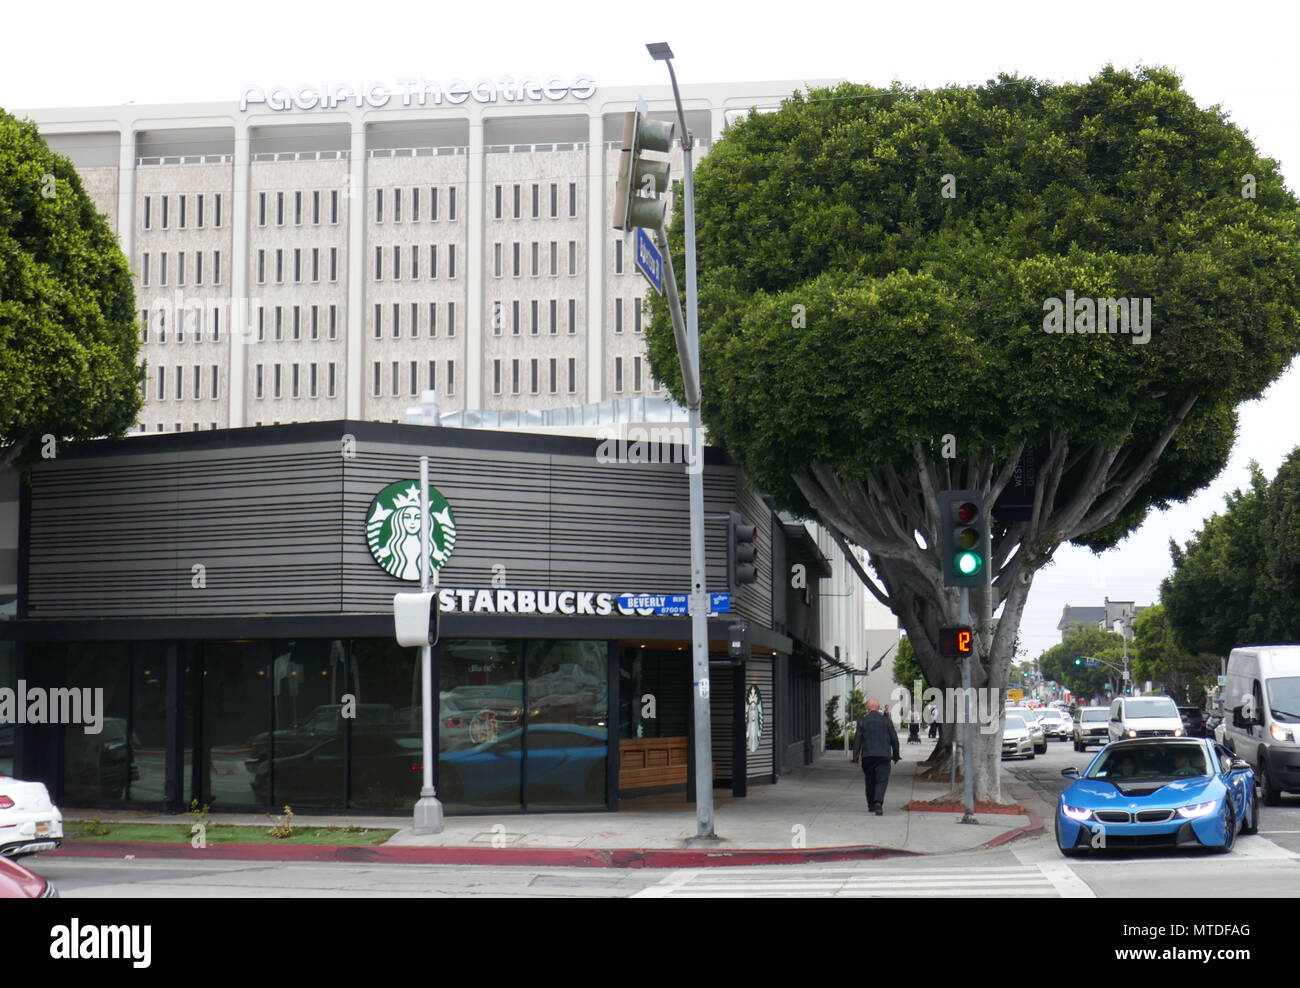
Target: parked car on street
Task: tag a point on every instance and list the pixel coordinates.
(1157, 792)
(17, 882)
(29, 821)
(1017, 741)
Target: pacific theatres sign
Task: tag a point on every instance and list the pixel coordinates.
(419, 92)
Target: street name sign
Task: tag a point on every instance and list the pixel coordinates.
(649, 260)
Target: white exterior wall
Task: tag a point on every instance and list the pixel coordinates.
(239, 172)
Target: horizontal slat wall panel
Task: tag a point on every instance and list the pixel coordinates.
(280, 528)
(550, 521)
(720, 719)
(119, 537)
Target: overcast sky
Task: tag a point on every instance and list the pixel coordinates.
(1239, 56)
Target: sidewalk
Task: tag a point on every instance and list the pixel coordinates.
(815, 813)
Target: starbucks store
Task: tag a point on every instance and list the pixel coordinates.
(222, 604)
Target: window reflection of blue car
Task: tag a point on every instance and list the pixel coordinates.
(1157, 792)
(566, 763)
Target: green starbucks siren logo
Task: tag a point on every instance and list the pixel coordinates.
(393, 529)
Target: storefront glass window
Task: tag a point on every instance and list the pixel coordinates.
(230, 686)
(308, 701)
(148, 748)
(480, 725)
(96, 765)
(8, 680)
(387, 740)
(567, 739)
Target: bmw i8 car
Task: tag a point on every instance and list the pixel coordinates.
(1157, 792)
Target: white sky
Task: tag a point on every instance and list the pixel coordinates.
(1243, 57)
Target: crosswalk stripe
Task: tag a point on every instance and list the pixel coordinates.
(1010, 881)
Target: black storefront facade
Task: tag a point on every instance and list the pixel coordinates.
(220, 590)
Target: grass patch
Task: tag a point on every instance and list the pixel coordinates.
(220, 833)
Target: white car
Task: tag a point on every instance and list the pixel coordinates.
(29, 822)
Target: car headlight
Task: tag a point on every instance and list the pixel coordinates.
(1075, 812)
(1197, 809)
(1281, 733)
(1132, 733)
(1178, 733)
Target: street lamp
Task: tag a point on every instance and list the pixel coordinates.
(690, 361)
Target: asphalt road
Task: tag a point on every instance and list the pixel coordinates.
(1260, 866)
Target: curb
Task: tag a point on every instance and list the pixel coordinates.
(516, 856)
(1034, 827)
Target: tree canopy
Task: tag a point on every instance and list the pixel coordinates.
(68, 332)
(875, 266)
(1237, 581)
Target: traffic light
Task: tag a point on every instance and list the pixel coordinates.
(742, 551)
(1078, 661)
(641, 181)
(963, 535)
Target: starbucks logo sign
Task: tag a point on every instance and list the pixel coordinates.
(393, 529)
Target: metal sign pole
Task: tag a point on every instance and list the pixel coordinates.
(428, 810)
(968, 759)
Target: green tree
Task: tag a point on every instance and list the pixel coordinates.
(1083, 642)
(874, 268)
(1157, 656)
(907, 671)
(68, 332)
(1210, 597)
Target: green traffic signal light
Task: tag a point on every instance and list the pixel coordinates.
(969, 563)
(1078, 662)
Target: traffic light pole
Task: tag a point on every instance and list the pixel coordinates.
(968, 733)
(689, 356)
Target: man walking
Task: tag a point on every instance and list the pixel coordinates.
(876, 742)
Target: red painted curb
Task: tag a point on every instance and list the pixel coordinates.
(518, 856)
(1035, 826)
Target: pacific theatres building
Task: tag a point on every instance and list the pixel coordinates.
(230, 592)
(330, 251)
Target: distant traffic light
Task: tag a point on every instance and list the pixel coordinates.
(641, 181)
(1078, 661)
(963, 539)
(742, 551)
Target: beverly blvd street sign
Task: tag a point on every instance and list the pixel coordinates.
(673, 603)
(649, 260)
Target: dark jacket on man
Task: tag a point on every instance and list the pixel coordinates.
(876, 737)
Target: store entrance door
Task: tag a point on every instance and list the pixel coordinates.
(654, 713)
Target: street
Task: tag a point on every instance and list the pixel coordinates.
(1265, 865)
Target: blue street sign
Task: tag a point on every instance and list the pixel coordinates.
(649, 260)
(720, 603)
(1092, 665)
(673, 603)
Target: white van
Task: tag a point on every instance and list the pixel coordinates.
(1144, 717)
(1262, 715)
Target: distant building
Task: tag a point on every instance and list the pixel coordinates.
(1103, 617)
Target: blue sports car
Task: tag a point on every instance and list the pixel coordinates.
(1158, 792)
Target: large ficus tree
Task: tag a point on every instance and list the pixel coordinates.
(875, 272)
(68, 333)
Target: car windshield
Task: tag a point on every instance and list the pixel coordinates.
(1015, 720)
(1149, 761)
(1284, 698)
(1093, 714)
(1159, 706)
